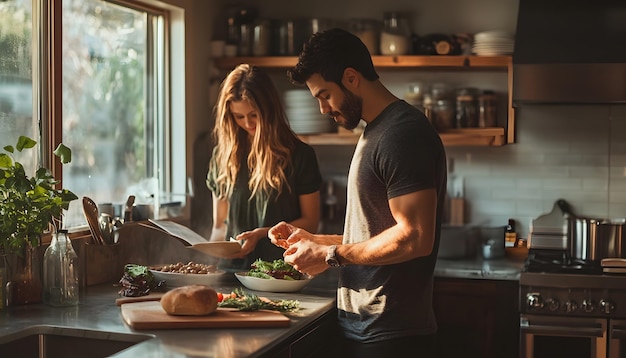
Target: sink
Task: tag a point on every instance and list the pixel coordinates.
(65, 342)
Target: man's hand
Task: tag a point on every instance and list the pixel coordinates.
(279, 234)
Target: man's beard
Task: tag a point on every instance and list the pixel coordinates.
(351, 110)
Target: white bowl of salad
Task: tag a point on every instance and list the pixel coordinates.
(275, 276)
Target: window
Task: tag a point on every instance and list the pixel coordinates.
(16, 75)
(114, 110)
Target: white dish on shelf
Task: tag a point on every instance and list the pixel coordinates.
(271, 284)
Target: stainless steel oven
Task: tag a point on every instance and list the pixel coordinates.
(572, 313)
(549, 337)
(617, 338)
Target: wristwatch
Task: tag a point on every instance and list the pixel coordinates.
(331, 257)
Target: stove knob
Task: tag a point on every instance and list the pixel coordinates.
(553, 304)
(588, 305)
(607, 306)
(534, 301)
(570, 306)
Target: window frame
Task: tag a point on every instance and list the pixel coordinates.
(47, 93)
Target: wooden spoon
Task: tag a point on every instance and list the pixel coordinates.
(90, 209)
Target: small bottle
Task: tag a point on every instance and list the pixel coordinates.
(510, 236)
(60, 272)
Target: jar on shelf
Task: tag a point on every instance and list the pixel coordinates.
(368, 30)
(440, 90)
(395, 38)
(415, 95)
(488, 110)
(427, 104)
(443, 114)
(60, 272)
(245, 40)
(261, 38)
(466, 108)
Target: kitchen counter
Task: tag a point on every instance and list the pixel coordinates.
(98, 311)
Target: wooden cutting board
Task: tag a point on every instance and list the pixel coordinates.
(153, 296)
(150, 315)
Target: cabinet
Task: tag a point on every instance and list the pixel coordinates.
(315, 340)
(476, 318)
(496, 136)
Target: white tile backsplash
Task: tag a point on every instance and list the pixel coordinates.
(574, 152)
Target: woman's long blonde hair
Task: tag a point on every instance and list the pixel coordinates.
(273, 142)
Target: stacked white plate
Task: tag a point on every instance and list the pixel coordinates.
(304, 114)
(493, 43)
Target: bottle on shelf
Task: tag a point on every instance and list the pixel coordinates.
(510, 236)
(60, 272)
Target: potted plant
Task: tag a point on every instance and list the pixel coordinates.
(29, 206)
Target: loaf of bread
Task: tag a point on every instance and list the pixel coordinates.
(192, 300)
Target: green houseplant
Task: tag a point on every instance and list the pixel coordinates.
(29, 206)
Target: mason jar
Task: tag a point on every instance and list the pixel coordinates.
(488, 110)
(395, 38)
(368, 30)
(443, 114)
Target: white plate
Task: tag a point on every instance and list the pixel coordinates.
(271, 285)
(183, 279)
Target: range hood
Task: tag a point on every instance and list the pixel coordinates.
(570, 52)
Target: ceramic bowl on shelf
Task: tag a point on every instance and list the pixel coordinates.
(271, 284)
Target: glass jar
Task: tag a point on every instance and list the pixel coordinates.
(488, 110)
(368, 30)
(466, 108)
(443, 114)
(395, 38)
(441, 90)
(261, 38)
(427, 105)
(60, 272)
(414, 95)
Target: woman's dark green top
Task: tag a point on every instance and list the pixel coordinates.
(263, 210)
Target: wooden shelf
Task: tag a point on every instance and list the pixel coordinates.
(426, 62)
(458, 137)
(454, 137)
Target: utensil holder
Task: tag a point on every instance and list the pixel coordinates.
(100, 263)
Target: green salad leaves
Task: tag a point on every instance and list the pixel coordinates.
(245, 301)
(276, 269)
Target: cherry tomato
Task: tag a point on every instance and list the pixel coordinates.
(220, 297)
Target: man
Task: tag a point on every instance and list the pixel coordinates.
(395, 198)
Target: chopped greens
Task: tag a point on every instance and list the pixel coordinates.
(276, 269)
(245, 301)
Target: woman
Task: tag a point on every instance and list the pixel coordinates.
(260, 172)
